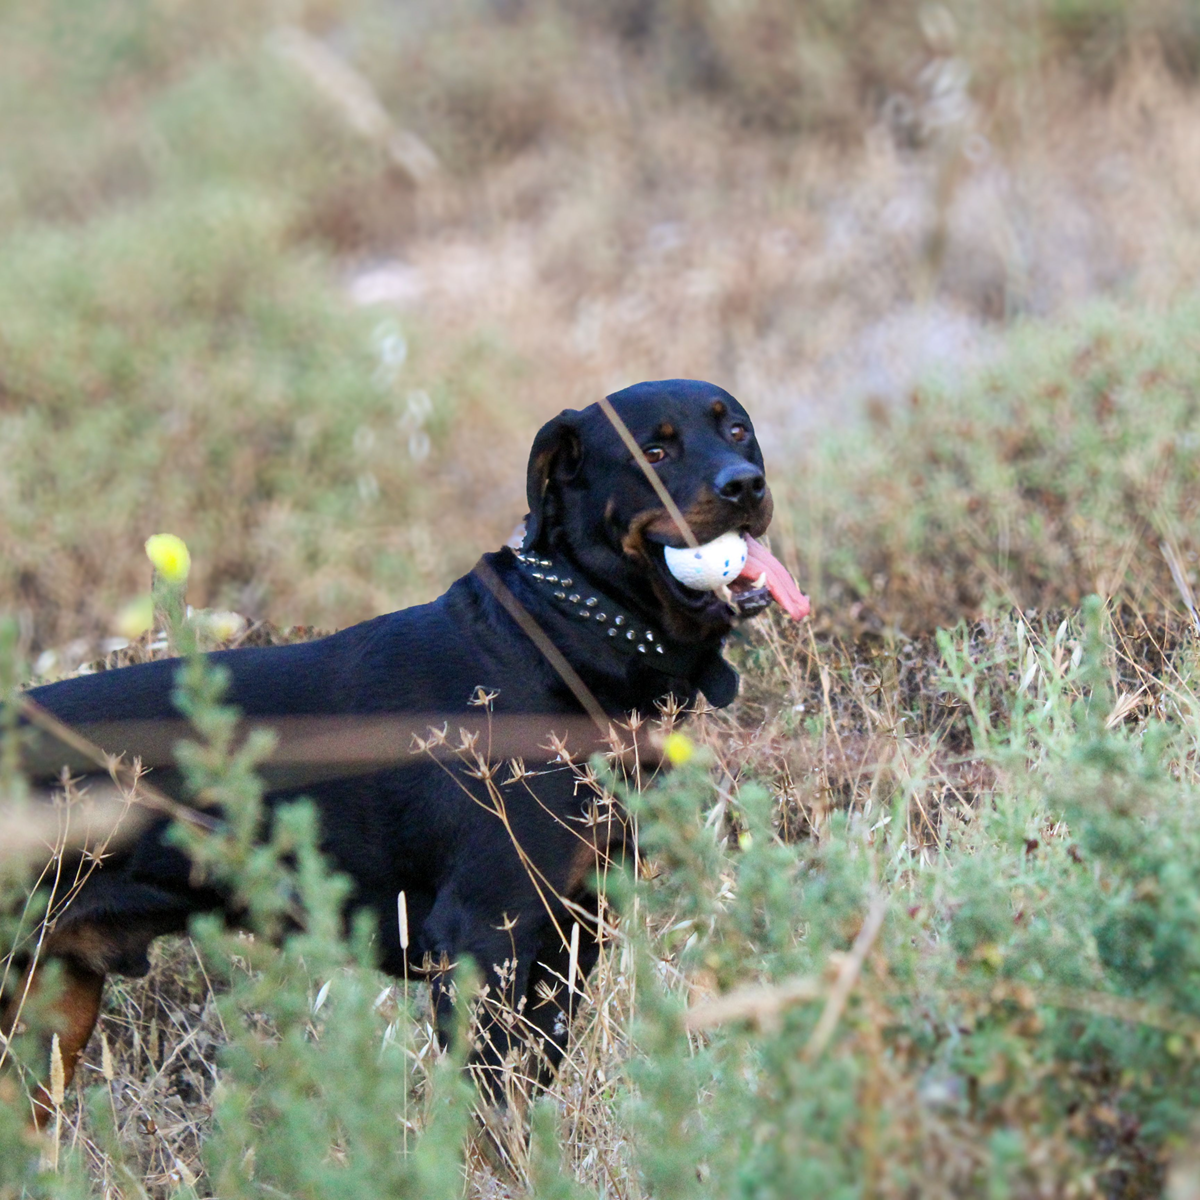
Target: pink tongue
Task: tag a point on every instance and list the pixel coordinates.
(783, 589)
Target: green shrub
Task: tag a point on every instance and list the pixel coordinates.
(1001, 1001)
(1028, 1003)
(1057, 472)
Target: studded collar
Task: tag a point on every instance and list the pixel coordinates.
(616, 625)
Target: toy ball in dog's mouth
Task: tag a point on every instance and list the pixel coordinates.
(707, 567)
(733, 557)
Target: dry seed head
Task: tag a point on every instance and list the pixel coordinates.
(58, 1074)
(517, 771)
(573, 968)
(402, 918)
(183, 1173)
(106, 1059)
(322, 996)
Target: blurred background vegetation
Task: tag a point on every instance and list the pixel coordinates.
(299, 282)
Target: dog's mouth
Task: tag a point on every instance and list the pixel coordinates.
(763, 579)
(710, 607)
(699, 607)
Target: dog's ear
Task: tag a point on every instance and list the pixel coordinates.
(555, 458)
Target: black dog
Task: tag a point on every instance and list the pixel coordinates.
(591, 575)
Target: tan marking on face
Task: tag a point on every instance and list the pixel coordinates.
(665, 430)
(708, 518)
(762, 518)
(718, 408)
(634, 541)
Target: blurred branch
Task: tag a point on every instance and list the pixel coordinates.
(847, 977)
(1179, 575)
(33, 831)
(355, 101)
(309, 749)
(124, 776)
(760, 1004)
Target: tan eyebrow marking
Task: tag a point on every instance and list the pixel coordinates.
(718, 408)
(665, 430)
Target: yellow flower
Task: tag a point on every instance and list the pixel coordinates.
(170, 556)
(218, 625)
(225, 626)
(135, 618)
(678, 748)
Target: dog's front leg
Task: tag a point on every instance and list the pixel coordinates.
(556, 982)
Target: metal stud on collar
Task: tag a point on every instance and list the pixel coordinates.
(584, 605)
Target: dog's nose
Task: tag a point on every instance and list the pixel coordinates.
(740, 483)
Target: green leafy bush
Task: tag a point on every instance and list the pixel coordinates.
(1024, 1011)
(1057, 472)
(1000, 1001)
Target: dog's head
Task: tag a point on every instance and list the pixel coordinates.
(590, 500)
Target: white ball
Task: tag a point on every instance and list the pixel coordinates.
(707, 567)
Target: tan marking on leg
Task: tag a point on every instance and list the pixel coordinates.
(84, 943)
(586, 858)
(607, 839)
(72, 1016)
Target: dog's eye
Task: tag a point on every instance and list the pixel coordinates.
(739, 432)
(654, 454)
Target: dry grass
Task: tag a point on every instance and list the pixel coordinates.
(872, 730)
